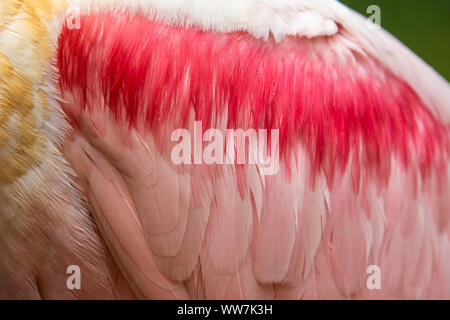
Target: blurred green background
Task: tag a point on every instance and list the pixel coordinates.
(424, 26)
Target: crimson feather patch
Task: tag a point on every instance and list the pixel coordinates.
(341, 109)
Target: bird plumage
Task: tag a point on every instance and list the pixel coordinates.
(364, 150)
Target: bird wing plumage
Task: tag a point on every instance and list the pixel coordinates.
(363, 145)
